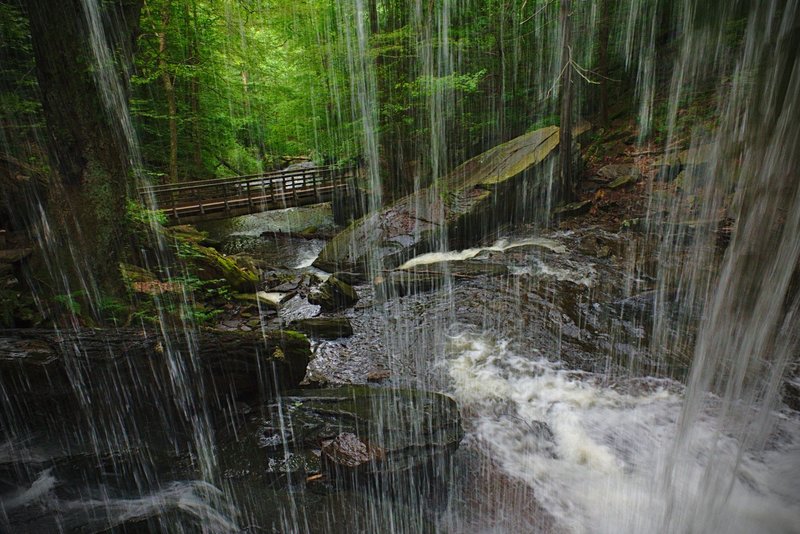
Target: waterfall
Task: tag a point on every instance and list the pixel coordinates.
(627, 363)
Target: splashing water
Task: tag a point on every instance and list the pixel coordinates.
(589, 448)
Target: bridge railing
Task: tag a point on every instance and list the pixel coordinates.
(254, 192)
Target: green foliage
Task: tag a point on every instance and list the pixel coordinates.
(199, 314)
(20, 109)
(70, 301)
(247, 83)
(544, 122)
(137, 214)
(429, 85)
(113, 310)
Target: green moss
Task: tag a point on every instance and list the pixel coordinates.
(293, 335)
(208, 264)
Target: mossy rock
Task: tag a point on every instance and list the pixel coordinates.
(573, 209)
(616, 171)
(324, 327)
(189, 233)
(334, 295)
(623, 181)
(211, 265)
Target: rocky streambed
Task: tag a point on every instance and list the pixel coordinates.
(404, 399)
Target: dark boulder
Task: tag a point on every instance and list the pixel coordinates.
(356, 430)
(40, 367)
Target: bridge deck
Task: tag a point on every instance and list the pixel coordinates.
(203, 200)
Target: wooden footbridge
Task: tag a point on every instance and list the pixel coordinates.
(220, 198)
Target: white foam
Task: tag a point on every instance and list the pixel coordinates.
(40, 487)
(466, 254)
(198, 499)
(608, 466)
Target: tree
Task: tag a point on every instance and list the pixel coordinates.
(169, 91)
(87, 147)
(602, 59)
(565, 134)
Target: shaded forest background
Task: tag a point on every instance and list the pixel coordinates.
(95, 96)
(218, 88)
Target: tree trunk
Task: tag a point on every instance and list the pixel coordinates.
(87, 148)
(602, 59)
(169, 90)
(194, 97)
(565, 135)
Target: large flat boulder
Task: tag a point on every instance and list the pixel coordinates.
(348, 432)
(493, 188)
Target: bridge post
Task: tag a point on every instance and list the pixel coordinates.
(225, 196)
(249, 197)
(348, 202)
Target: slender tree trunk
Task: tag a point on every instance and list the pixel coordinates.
(194, 96)
(169, 90)
(602, 58)
(565, 135)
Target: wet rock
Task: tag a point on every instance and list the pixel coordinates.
(610, 173)
(368, 431)
(667, 167)
(334, 295)
(573, 209)
(351, 277)
(287, 287)
(623, 181)
(350, 452)
(259, 299)
(378, 376)
(39, 366)
(423, 278)
(599, 246)
(323, 327)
